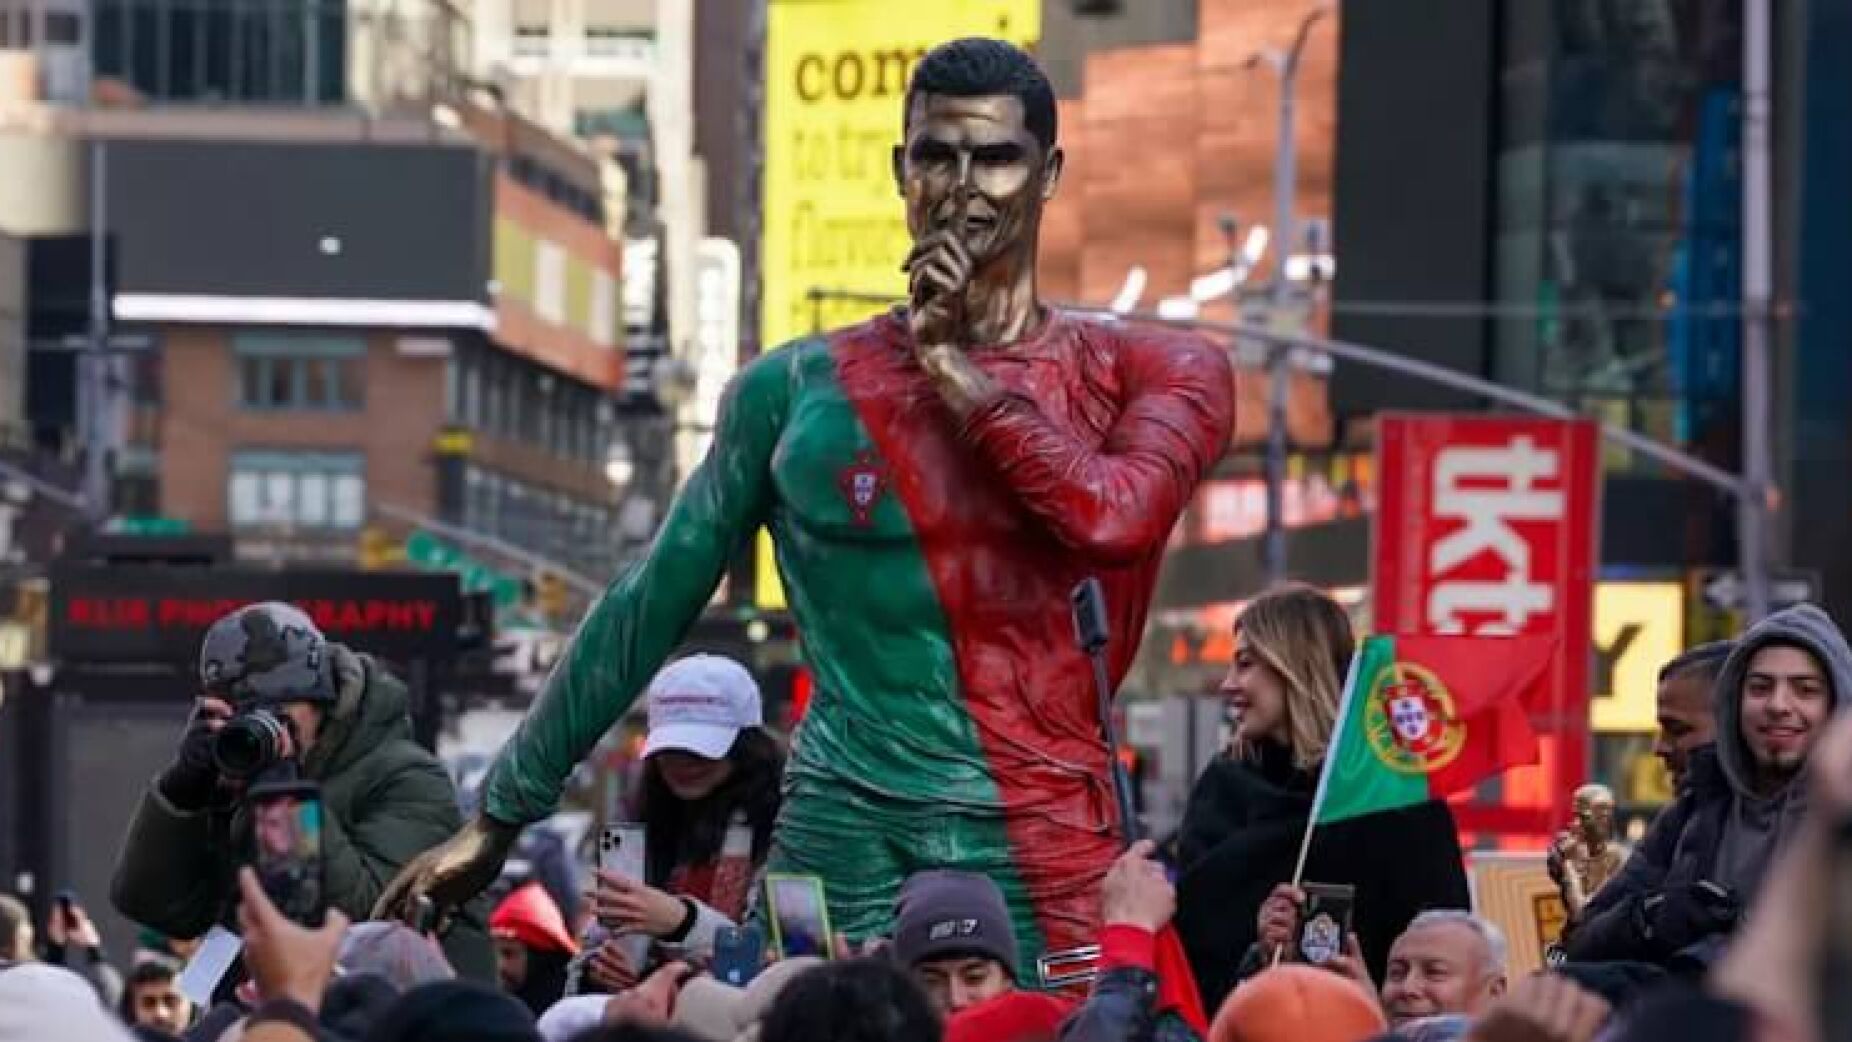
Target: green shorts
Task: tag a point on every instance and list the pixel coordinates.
(863, 845)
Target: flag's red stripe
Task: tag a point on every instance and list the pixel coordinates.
(1490, 679)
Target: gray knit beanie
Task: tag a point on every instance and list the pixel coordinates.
(941, 914)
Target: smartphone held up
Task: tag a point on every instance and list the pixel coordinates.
(1324, 923)
(799, 916)
(739, 954)
(622, 851)
(287, 833)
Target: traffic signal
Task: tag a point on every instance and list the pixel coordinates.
(378, 550)
(550, 595)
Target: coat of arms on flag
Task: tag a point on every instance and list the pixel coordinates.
(1404, 735)
(1411, 720)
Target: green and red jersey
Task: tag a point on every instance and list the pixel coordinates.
(928, 564)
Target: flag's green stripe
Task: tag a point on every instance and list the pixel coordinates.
(1360, 782)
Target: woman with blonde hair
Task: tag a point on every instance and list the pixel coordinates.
(1247, 814)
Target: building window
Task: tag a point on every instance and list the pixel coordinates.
(309, 489)
(602, 41)
(550, 282)
(317, 373)
(1618, 194)
(545, 521)
(472, 393)
(63, 27)
(532, 41)
(602, 324)
(280, 51)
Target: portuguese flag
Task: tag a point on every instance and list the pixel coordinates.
(1423, 717)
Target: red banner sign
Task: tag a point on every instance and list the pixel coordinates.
(141, 613)
(1487, 524)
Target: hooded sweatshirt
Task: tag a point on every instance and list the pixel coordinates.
(1721, 829)
(1758, 823)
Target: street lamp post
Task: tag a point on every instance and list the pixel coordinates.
(1753, 521)
(1285, 65)
(93, 378)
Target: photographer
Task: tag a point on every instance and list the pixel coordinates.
(281, 702)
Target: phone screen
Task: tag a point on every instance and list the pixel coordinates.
(1325, 922)
(621, 850)
(739, 954)
(287, 827)
(800, 918)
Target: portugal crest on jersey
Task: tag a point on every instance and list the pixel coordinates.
(862, 484)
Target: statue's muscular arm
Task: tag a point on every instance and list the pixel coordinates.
(1115, 502)
(648, 608)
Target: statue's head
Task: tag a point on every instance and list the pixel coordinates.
(1594, 811)
(979, 152)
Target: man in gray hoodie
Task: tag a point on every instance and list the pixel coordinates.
(1680, 895)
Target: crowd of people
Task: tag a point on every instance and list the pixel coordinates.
(1717, 924)
(308, 871)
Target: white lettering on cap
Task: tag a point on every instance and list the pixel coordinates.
(952, 928)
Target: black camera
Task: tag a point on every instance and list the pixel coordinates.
(249, 744)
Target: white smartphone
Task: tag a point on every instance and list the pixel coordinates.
(621, 850)
(208, 966)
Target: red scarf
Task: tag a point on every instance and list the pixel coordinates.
(723, 884)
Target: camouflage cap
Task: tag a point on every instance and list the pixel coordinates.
(268, 652)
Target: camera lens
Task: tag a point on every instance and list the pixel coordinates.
(249, 743)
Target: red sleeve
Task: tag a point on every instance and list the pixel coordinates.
(1117, 502)
(1123, 945)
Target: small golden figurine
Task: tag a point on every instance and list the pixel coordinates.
(1585, 856)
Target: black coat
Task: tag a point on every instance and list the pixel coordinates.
(1241, 836)
(1123, 1008)
(1680, 849)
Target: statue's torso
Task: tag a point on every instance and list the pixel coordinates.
(932, 608)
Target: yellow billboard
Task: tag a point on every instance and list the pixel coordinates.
(835, 83)
(1639, 627)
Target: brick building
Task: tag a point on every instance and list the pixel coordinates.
(1167, 132)
(354, 320)
(1164, 138)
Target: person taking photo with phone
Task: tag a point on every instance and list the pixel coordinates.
(72, 941)
(1248, 813)
(709, 797)
(279, 701)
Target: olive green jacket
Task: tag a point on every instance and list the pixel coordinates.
(385, 799)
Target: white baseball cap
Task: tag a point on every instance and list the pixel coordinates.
(700, 704)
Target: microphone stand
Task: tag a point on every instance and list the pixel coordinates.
(1092, 634)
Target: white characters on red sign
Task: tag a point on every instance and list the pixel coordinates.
(1489, 488)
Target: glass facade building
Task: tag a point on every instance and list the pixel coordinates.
(303, 53)
(1616, 238)
(284, 52)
